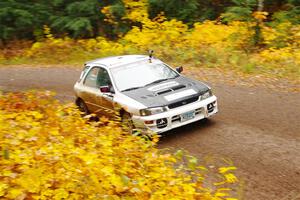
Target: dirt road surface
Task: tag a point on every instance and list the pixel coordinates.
(257, 128)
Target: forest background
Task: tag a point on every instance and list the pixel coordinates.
(251, 36)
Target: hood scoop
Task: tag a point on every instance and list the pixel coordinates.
(148, 96)
(178, 87)
(163, 92)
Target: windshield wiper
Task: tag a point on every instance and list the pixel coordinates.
(160, 80)
(157, 81)
(129, 89)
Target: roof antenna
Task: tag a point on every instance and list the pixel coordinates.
(150, 55)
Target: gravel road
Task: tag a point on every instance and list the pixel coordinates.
(257, 128)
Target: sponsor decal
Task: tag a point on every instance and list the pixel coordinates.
(179, 95)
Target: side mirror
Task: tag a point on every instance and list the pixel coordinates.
(104, 89)
(107, 89)
(179, 69)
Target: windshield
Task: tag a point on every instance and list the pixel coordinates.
(141, 74)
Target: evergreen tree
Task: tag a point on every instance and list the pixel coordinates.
(20, 19)
(77, 18)
(186, 11)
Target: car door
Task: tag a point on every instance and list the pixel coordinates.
(105, 99)
(91, 90)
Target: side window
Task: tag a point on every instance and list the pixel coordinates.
(91, 78)
(103, 78)
(85, 69)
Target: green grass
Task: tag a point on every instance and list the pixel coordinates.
(226, 59)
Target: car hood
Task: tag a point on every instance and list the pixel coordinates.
(168, 92)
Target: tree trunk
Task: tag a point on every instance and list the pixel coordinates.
(258, 36)
(260, 5)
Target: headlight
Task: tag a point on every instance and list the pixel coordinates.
(206, 95)
(152, 111)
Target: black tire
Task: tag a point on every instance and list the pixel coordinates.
(127, 123)
(82, 107)
(205, 120)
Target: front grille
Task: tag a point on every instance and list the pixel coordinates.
(198, 111)
(183, 102)
(176, 118)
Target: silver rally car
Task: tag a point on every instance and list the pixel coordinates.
(146, 92)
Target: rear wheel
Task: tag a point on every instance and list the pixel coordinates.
(82, 107)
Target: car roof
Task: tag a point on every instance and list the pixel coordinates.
(114, 61)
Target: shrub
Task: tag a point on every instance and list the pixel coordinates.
(49, 152)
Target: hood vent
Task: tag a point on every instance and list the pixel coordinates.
(178, 87)
(148, 96)
(191, 84)
(164, 91)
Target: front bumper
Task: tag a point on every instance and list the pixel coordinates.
(174, 118)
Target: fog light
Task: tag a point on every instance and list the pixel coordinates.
(210, 107)
(149, 122)
(162, 123)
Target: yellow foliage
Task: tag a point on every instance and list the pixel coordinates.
(224, 170)
(176, 34)
(259, 15)
(47, 32)
(282, 54)
(217, 35)
(109, 16)
(48, 151)
(136, 11)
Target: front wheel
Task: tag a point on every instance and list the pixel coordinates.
(127, 123)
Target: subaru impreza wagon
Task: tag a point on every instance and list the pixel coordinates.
(146, 92)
